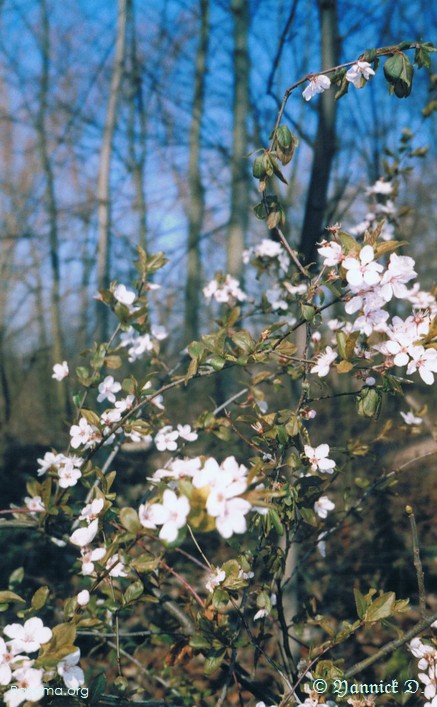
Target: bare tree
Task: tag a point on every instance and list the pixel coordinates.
(50, 196)
(196, 198)
(324, 148)
(103, 182)
(240, 185)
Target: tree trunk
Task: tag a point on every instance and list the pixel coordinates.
(240, 186)
(47, 168)
(137, 120)
(196, 197)
(324, 149)
(103, 182)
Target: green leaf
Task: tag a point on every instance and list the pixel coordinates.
(398, 71)
(214, 662)
(360, 603)
(96, 688)
(133, 592)
(244, 341)
(381, 608)
(129, 519)
(40, 598)
(8, 597)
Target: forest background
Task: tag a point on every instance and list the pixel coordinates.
(130, 124)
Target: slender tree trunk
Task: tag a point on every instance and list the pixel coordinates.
(103, 182)
(137, 128)
(324, 149)
(47, 167)
(240, 186)
(196, 203)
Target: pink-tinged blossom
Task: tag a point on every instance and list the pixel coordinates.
(89, 557)
(318, 458)
(331, 252)
(91, 511)
(410, 418)
(82, 434)
(145, 515)
(123, 295)
(125, 404)
(29, 637)
(323, 506)
(400, 271)
(30, 687)
(68, 475)
(116, 566)
(363, 271)
(49, 461)
(60, 371)
(424, 361)
(171, 514)
(370, 321)
(166, 439)
(215, 578)
(107, 389)
(69, 670)
(317, 84)
(84, 536)
(34, 504)
(323, 362)
(359, 73)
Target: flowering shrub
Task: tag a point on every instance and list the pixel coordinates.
(273, 498)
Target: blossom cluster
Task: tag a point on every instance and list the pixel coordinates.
(225, 290)
(17, 667)
(222, 486)
(358, 75)
(372, 286)
(427, 664)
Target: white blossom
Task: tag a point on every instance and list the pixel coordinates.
(166, 439)
(60, 371)
(92, 510)
(29, 637)
(359, 73)
(331, 252)
(82, 434)
(83, 597)
(424, 361)
(380, 187)
(30, 687)
(364, 270)
(226, 291)
(323, 362)
(323, 505)
(186, 433)
(70, 672)
(123, 295)
(410, 418)
(83, 536)
(318, 458)
(317, 84)
(34, 504)
(216, 577)
(107, 389)
(171, 514)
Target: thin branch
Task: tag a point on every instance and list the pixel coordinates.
(417, 561)
(391, 647)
